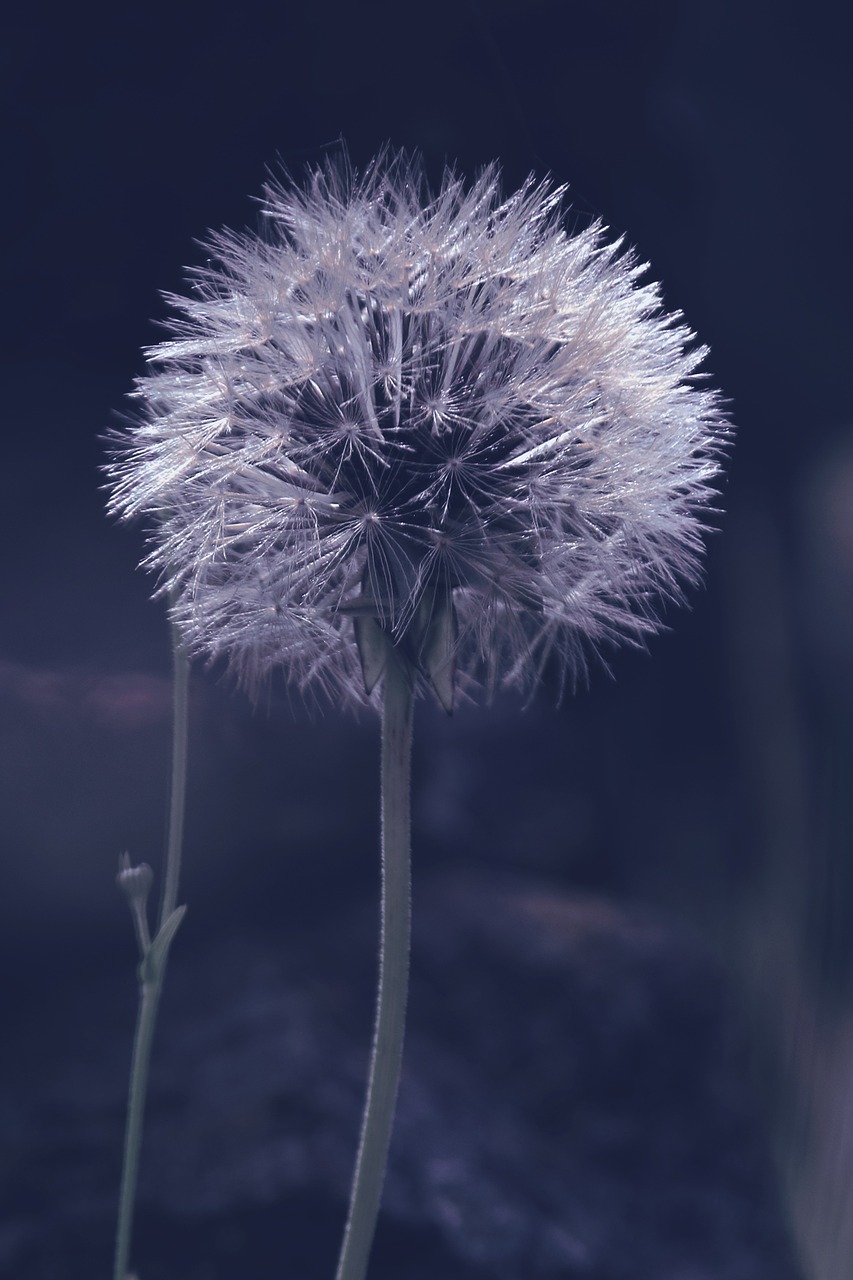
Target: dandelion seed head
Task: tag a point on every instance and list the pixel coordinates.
(439, 416)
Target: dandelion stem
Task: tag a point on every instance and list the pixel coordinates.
(387, 1050)
(152, 969)
(177, 803)
(149, 997)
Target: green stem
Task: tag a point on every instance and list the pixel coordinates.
(152, 969)
(387, 1051)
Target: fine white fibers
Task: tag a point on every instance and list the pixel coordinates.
(399, 406)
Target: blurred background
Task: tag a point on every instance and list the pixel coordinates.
(697, 795)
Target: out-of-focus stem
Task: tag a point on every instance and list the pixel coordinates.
(149, 997)
(152, 969)
(177, 802)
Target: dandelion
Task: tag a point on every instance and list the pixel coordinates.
(442, 419)
(427, 440)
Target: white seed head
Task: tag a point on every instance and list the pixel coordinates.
(438, 419)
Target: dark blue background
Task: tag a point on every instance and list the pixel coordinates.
(707, 782)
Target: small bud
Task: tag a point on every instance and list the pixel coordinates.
(135, 883)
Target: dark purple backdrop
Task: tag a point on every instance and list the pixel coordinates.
(710, 772)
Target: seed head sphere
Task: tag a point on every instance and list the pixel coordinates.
(435, 421)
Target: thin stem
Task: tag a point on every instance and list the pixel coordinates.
(149, 998)
(177, 804)
(152, 969)
(387, 1051)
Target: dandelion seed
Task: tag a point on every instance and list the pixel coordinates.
(391, 404)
